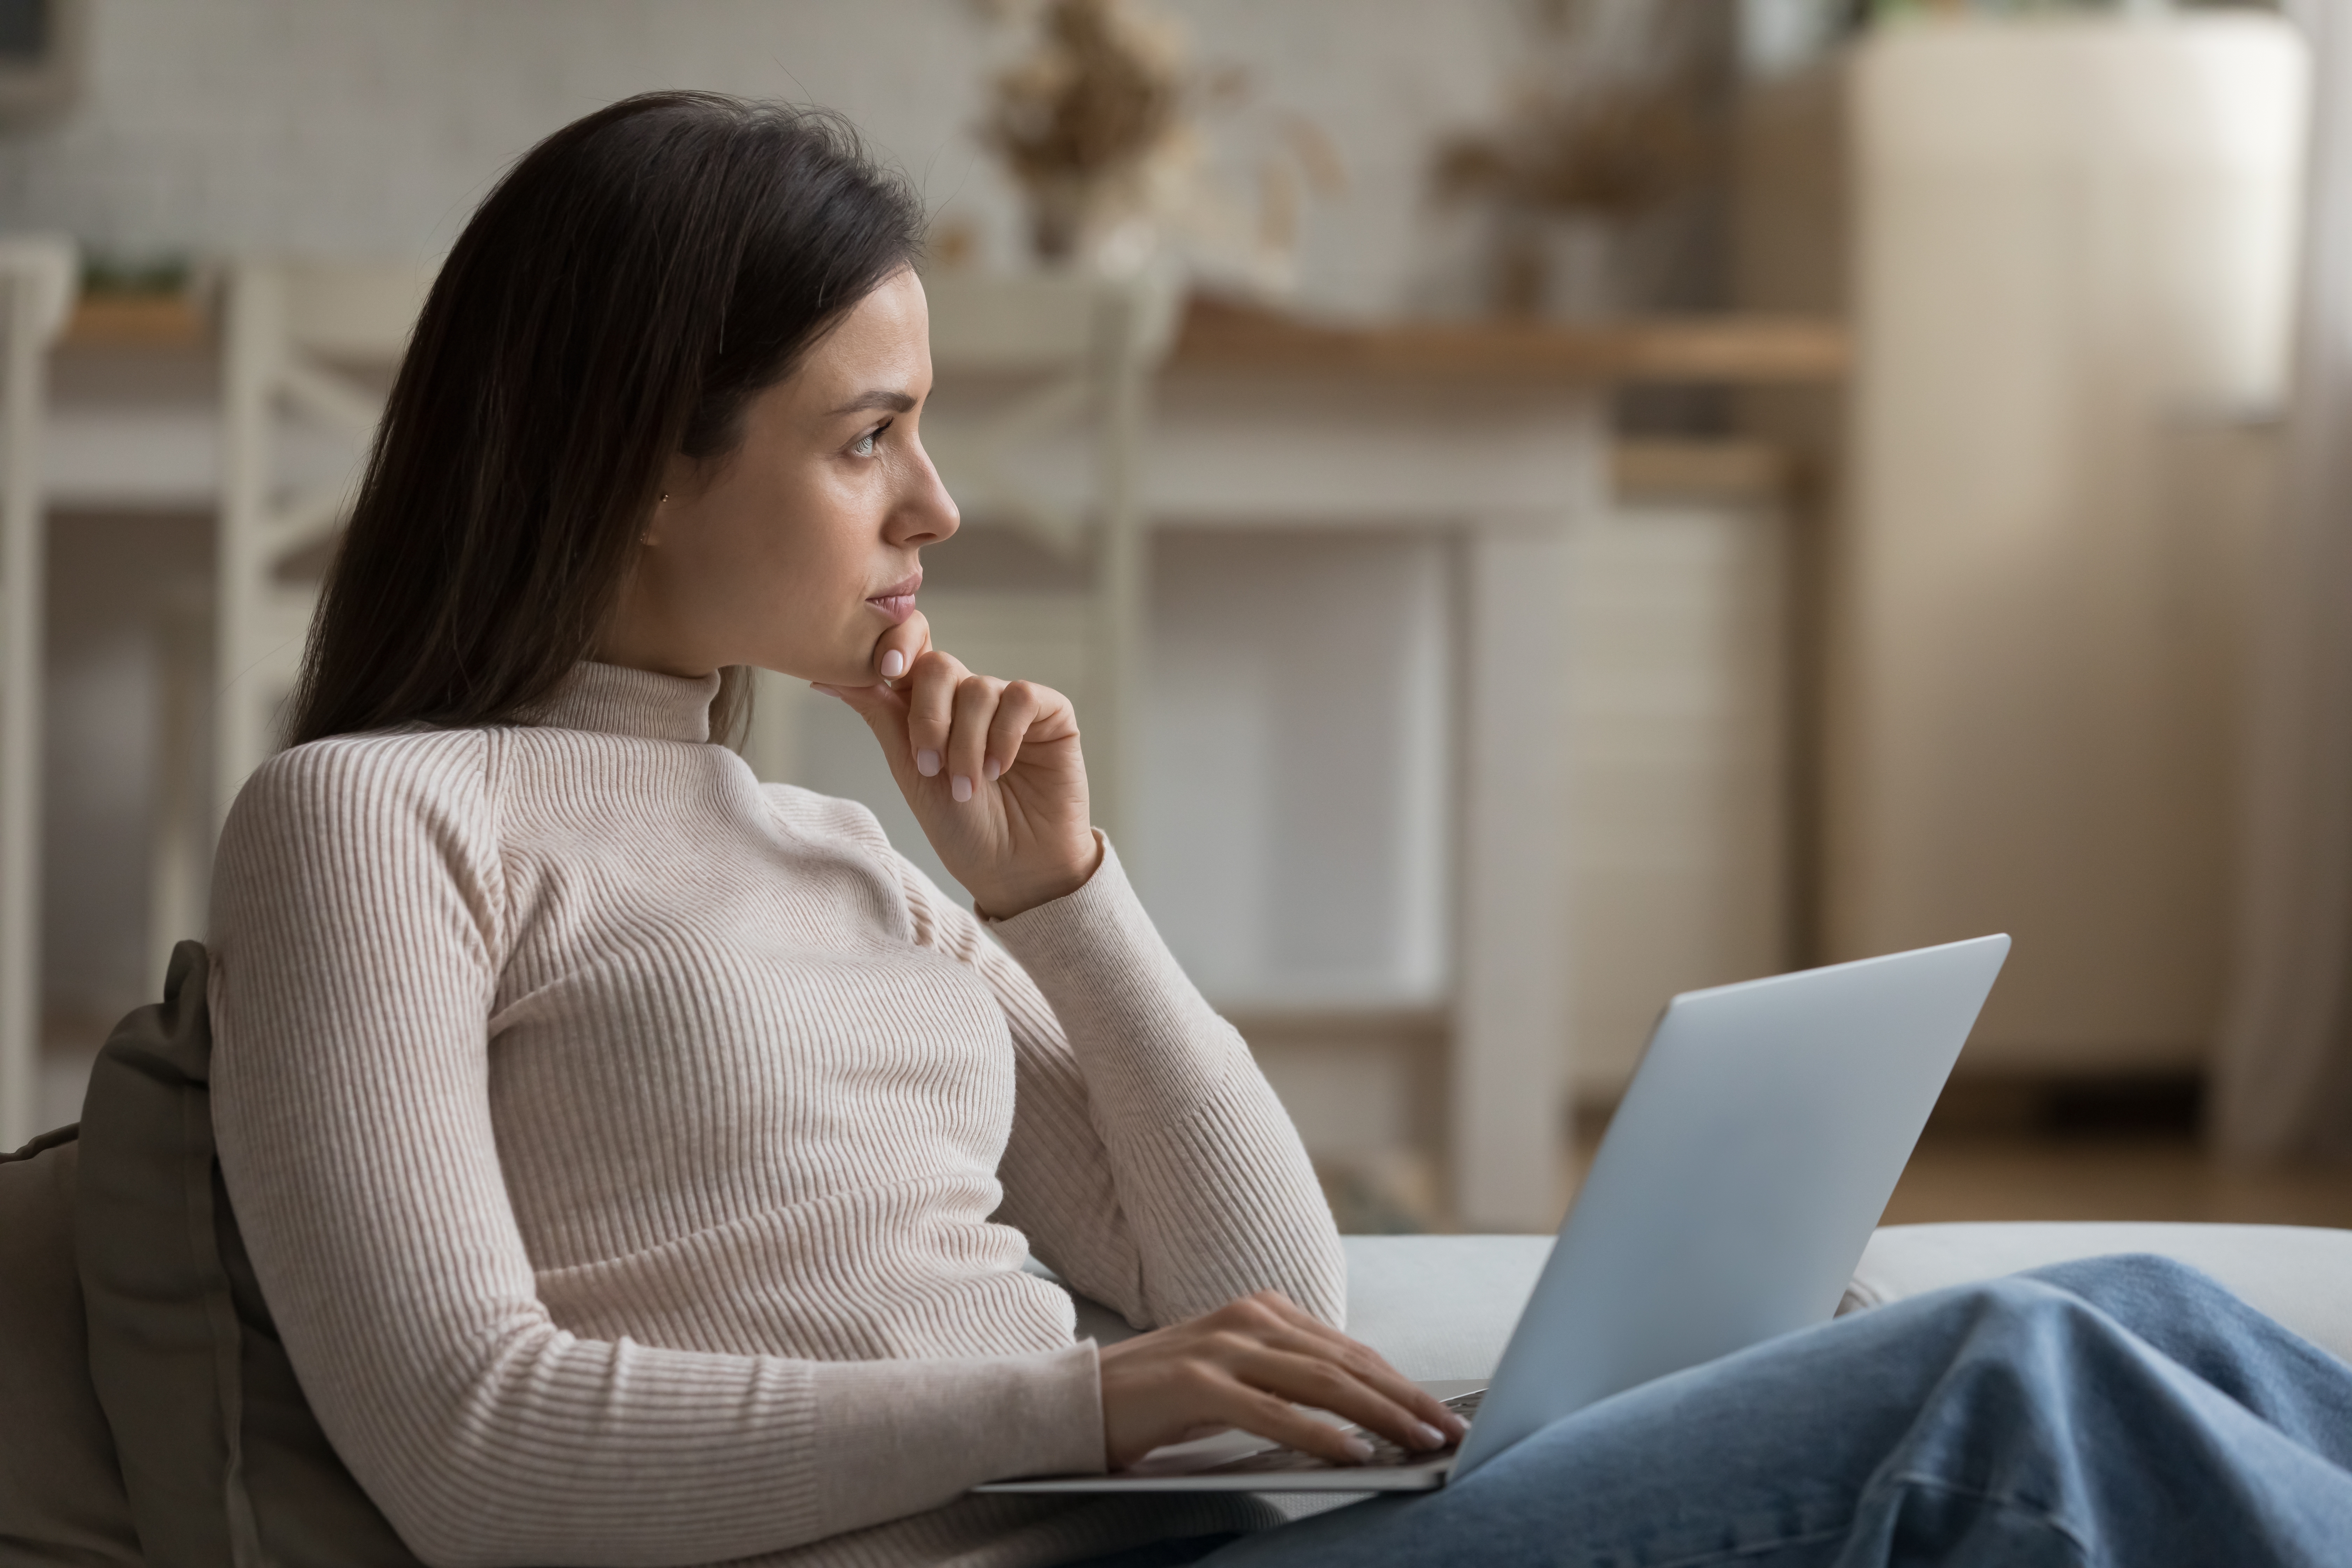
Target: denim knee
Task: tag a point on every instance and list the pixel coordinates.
(2142, 1271)
(2026, 1298)
(2131, 1287)
(2125, 1286)
(2142, 1288)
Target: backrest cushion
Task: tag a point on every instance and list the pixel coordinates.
(61, 1497)
(224, 1464)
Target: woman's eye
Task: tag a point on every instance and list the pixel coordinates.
(864, 446)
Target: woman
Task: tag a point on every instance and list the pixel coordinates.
(639, 1161)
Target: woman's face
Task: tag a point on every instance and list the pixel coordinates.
(799, 550)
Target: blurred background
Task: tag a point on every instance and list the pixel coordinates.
(1543, 504)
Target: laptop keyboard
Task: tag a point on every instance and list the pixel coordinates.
(1385, 1453)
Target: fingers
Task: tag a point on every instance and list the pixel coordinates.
(895, 651)
(970, 728)
(1367, 1366)
(1350, 1381)
(1183, 1386)
(1274, 1417)
(977, 700)
(930, 693)
(1296, 1378)
(1249, 1364)
(1018, 707)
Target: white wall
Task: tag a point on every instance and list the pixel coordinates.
(373, 126)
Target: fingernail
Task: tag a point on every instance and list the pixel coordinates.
(927, 763)
(894, 665)
(1356, 1446)
(1455, 1424)
(961, 789)
(1431, 1437)
(989, 770)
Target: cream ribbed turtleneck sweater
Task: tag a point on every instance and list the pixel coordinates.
(639, 1160)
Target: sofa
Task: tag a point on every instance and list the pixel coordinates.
(1439, 1307)
(135, 1343)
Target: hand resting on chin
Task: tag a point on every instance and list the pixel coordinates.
(991, 769)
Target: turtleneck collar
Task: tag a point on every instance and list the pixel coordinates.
(611, 700)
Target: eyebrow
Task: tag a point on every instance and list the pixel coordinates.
(896, 402)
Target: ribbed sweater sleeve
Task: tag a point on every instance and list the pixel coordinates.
(1150, 1165)
(359, 928)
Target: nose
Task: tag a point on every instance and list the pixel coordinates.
(926, 514)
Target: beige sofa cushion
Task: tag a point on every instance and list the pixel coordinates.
(2300, 1274)
(61, 1497)
(1441, 1306)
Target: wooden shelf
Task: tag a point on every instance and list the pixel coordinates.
(137, 321)
(1747, 349)
(1743, 350)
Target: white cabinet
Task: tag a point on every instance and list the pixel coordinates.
(2071, 270)
(1298, 767)
(1678, 787)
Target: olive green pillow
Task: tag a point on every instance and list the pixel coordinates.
(61, 1497)
(224, 1464)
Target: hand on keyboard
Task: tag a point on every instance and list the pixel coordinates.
(1250, 1364)
(1274, 1460)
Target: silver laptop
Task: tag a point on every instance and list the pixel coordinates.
(1731, 1198)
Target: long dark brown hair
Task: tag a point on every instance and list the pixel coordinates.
(619, 297)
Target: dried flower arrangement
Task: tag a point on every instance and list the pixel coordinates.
(1599, 145)
(1081, 121)
(1615, 152)
(1099, 126)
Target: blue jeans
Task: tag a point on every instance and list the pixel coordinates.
(2124, 1411)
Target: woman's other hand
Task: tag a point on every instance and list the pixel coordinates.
(991, 767)
(1250, 1364)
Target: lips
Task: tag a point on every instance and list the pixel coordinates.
(896, 602)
